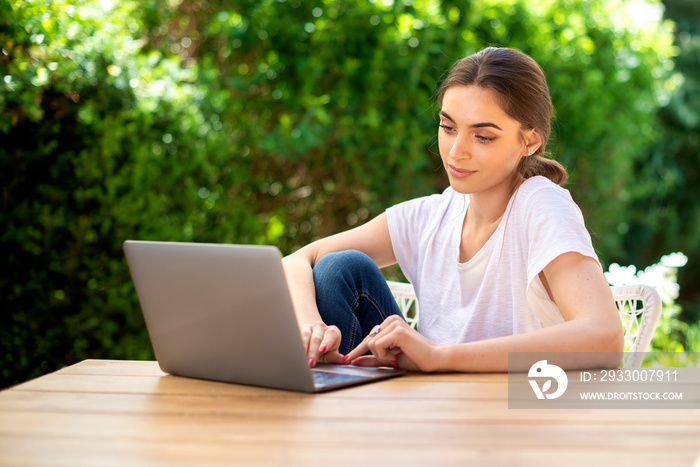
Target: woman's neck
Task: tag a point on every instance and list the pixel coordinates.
(483, 216)
(487, 208)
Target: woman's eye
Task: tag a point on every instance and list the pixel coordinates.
(484, 139)
(447, 128)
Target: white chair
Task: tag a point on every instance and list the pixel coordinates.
(639, 307)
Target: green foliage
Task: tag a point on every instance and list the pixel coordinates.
(676, 343)
(109, 145)
(666, 213)
(674, 335)
(263, 122)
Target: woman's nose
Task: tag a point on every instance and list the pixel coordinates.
(460, 148)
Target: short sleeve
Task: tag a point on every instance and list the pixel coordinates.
(413, 226)
(555, 226)
(404, 234)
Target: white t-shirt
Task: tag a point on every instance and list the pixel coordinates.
(497, 292)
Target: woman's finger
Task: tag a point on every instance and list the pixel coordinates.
(312, 350)
(306, 337)
(328, 349)
(330, 340)
(361, 349)
(332, 357)
(368, 344)
(366, 360)
(382, 350)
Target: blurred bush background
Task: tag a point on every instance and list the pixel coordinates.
(280, 121)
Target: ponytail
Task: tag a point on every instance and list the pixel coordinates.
(531, 166)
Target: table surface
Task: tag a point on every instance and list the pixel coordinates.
(104, 412)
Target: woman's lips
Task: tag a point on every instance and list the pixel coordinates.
(459, 173)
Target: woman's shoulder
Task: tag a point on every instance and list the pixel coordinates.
(542, 190)
(539, 182)
(540, 198)
(431, 202)
(427, 212)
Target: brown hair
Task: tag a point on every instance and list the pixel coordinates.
(522, 89)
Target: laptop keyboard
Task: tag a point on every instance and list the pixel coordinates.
(322, 378)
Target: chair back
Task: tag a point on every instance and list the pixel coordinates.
(640, 309)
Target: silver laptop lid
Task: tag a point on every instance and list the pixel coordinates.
(219, 312)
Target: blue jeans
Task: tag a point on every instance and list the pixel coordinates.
(352, 294)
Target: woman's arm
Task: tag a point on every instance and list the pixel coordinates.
(373, 239)
(579, 289)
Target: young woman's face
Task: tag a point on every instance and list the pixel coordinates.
(480, 144)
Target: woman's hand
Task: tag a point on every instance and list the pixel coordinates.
(321, 343)
(396, 345)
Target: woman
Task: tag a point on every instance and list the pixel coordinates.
(501, 261)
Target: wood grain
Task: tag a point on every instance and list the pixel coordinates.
(130, 413)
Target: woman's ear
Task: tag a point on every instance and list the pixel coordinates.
(533, 141)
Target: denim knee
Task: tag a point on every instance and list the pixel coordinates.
(352, 294)
(340, 267)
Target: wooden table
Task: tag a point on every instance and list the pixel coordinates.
(102, 412)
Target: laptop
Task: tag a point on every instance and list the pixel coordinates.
(223, 312)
